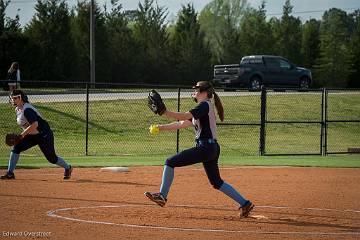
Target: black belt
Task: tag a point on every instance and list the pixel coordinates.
(205, 141)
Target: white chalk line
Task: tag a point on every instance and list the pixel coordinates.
(53, 213)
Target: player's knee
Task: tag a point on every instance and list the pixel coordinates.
(217, 184)
(15, 150)
(18, 148)
(52, 159)
(169, 163)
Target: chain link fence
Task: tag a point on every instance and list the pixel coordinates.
(342, 116)
(294, 122)
(113, 120)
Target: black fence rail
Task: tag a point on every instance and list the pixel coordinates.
(315, 122)
(342, 121)
(113, 119)
(293, 122)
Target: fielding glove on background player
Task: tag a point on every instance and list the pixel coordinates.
(155, 103)
(12, 139)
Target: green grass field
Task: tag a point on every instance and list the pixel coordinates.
(119, 128)
(343, 161)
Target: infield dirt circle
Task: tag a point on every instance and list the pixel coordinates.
(291, 203)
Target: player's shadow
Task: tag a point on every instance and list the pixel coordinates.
(76, 118)
(75, 199)
(80, 181)
(111, 182)
(300, 215)
(277, 222)
(278, 218)
(304, 223)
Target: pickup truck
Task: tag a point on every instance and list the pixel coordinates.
(257, 70)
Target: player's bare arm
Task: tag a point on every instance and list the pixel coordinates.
(174, 125)
(32, 129)
(178, 115)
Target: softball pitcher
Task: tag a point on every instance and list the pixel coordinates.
(206, 150)
(35, 131)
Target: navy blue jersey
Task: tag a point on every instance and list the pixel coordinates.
(15, 75)
(12, 75)
(204, 120)
(27, 115)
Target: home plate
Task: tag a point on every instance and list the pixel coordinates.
(115, 169)
(258, 217)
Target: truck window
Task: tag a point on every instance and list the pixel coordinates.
(284, 64)
(256, 61)
(272, 62)
(245, 61)
(252, 61)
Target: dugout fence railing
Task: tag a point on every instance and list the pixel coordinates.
(113, 119)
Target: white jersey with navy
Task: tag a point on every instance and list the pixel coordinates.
(26, 115)
(204, 120)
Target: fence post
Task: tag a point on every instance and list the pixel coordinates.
(178, 131)
(87, 120)
(322, 128)
(263, 121)
(326, 121)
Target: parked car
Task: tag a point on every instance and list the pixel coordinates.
(257, 70)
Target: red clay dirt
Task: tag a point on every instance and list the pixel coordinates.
(291, 203)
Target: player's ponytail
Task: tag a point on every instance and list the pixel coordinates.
(209, 88)
(219, 106)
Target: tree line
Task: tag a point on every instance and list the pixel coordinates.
(142, 46)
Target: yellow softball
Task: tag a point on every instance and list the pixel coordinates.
(154, 129)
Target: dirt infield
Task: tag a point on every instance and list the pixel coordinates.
(291, 203)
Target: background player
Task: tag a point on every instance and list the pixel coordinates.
(207, 149)
(14, 76)
(36, 131)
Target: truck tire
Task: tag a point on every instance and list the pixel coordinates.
(304, 83)
(255, 84)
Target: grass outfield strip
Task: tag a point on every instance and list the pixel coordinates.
(119, 127)
(346, 161)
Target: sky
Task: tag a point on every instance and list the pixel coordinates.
(304, 9)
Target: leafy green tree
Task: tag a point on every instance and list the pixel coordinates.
(6, 23)
(12, 41)
(275, 25)
(310, 42)
(150, 34)
(221, 20)
(192, 54)
(3, 6)
(288, 34)
(123, 54)
(256, 36)
(52, 49)
(333, 66)
(80, 25)
(81, 35)
(354, 78)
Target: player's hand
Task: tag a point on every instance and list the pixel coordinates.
(154, 129)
